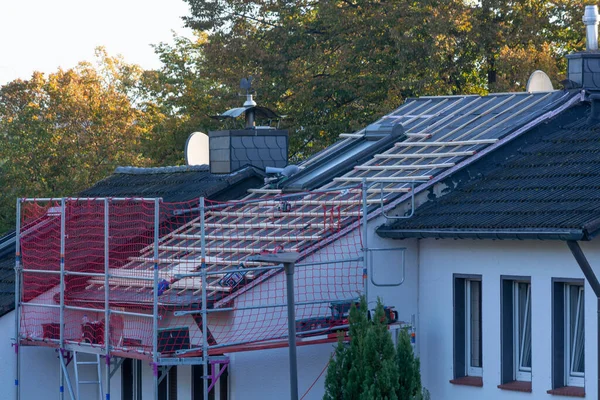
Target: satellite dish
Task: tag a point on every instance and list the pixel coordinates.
(539, 82)
(196, 149)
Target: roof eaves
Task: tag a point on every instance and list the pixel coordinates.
(497, 234)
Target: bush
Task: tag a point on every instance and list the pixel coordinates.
(369, 367)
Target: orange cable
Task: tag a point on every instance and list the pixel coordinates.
(316, 380)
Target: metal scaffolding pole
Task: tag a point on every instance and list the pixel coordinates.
(204, 287)
(288, 260)
(61, 328)
(155, 299)
(106, 299)
(365, 240)
(62, 275)
(17, 301)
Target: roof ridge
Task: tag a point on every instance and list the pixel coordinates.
(161, 170)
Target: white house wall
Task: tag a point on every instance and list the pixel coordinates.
(264, 374)
(542, 261)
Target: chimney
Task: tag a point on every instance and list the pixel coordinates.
(258, 145)
(590, 19)
(584, 67)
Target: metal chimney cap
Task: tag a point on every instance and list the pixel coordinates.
(249, 101)
(590, 16)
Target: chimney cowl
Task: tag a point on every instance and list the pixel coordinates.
(591, 19)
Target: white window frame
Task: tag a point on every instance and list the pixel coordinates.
(573, 378)
(471, 370)
(522, 373)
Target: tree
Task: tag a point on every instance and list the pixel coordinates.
(334, 66)
(185, 94)
(65, 131)
(367, 367)
(409, 368)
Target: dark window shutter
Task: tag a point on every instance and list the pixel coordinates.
(197, 385)
(506, 336)
(460, 367)
(558, 335)
(127, 379)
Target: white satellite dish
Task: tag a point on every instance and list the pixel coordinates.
(196, 149)
(539, 82)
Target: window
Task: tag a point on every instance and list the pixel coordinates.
(516, 330)
(468, 356)
(568, 338)
(167, 387)
(131, 379)
(522, 331)
(220, 390)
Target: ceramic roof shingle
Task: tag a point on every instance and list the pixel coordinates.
(545, 186)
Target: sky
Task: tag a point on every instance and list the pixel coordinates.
(43, 35)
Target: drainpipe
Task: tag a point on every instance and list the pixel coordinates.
(593, 281)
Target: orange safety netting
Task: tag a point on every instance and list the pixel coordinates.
(245, 298)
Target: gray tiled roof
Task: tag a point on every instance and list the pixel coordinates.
(181, 183)
(546, 185)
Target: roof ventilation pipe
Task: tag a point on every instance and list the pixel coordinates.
(250, 105)
(288, 171)
(594, 117)
(590, 19)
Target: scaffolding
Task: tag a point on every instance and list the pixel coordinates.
(174, 283)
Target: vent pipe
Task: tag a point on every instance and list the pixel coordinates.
(590, 19)
(250, 104)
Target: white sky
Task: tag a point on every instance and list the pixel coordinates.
(41, 35)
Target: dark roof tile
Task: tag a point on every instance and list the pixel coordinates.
(548, 182)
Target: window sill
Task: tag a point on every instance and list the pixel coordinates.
(517, 386)
(572, 391)
(476, 381)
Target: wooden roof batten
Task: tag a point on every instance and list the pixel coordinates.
(255, 223)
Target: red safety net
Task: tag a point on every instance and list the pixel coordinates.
(245, 298)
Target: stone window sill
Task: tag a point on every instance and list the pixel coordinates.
(517, 386)
(572, 391)
(476, 381)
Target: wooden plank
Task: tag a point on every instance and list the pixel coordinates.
(273, 203)
(427, 155)
(450, 143)
(290, 238)
(307, 225)
(402, 167)
(265, 191)
(279, 214)
(209, 249)
(391, 179)
(195, 283)
(196, 262)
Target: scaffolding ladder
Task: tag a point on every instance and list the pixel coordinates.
(96, 363)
